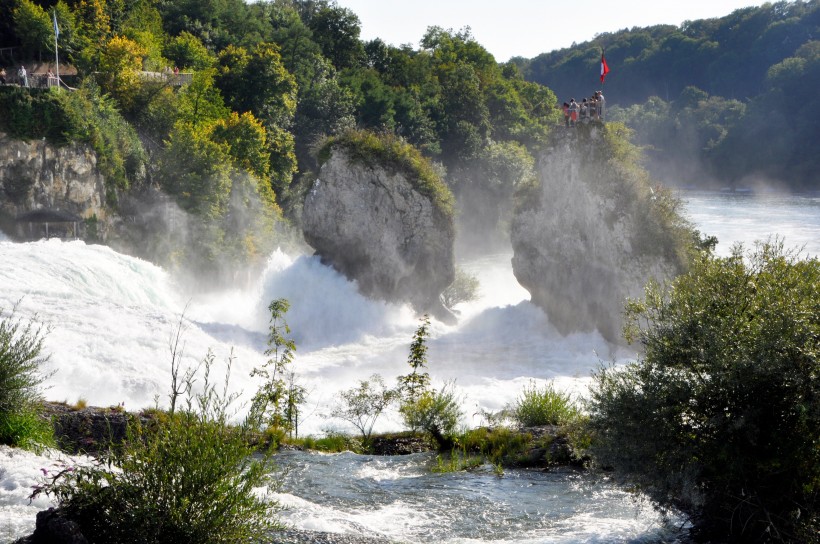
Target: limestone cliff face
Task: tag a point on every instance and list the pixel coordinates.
(373, 226)
(37, 174)
(590, 236)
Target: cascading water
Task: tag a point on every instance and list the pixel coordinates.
(111, 318)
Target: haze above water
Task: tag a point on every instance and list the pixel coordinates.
(111, 317)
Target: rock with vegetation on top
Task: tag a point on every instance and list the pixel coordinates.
(593, 231)
(37, 174)
(380, 215)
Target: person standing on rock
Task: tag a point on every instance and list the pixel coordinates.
(21, 73)
(601, 103)
(573, 112)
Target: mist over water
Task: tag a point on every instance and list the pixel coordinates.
(111, 318)
(747, 217)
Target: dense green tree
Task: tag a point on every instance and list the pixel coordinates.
(336, 30)
(33, 26)
(186, 51)
(196, 170)
(720, 417)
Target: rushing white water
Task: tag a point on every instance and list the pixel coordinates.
(111, 317)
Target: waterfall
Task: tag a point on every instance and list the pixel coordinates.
(111, 317)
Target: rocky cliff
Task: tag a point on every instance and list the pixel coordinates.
(37, 174)
(594, 231)
(372, 224)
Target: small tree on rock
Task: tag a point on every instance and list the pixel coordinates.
(363, 405)
(278, 397)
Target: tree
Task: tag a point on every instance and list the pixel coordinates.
(278, 394)
(196, 170)
(363, 405)
(34, 28)
(413, 385)
(336, 30)
(720, 418)
(120, 61)
(258, 82)
(463, 289)
(186, 51)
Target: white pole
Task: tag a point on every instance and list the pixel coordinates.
(56, 48)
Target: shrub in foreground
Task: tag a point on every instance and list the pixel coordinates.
(721, 416)
(21, 376)
(186, 477)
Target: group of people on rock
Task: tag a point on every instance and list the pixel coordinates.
(589, 109)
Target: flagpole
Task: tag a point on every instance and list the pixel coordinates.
(56, 48)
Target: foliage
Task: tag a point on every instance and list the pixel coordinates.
(720, 416)
(412, 386)
(186, 477)
(26, 429)
(332, 442)
(33, 114)
(544, 405)
(33, 26)
(119, 64)
(21, 361)
(465, 288)
(363, 405)
(188, 52)
(278, 398)
(498, 445)
(390, 151)
(196, 170)
(21, 376)
(96, 120)
(436, 412)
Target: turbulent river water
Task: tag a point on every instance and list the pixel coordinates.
(111, 317)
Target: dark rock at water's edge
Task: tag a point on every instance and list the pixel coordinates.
(374, 227)
(399, 445)
(52, 528)
(87, 430)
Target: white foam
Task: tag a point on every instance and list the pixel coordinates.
(20, 472)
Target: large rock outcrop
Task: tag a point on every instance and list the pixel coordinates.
(372, 224)
(36, 174)
(593, 232)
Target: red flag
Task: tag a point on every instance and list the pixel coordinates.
(604, 68)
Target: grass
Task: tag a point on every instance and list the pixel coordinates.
(26, 429)
(537, 406)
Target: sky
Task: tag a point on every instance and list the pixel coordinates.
(526, 28)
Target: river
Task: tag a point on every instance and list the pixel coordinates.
(111, 317)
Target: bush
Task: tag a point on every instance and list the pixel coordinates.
(187, 477)
(21, 361)
(544, 406)
(721, 416)
(435, 412)
(465, 288)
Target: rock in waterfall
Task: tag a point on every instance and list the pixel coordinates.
(371, 218)
(593, 231)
